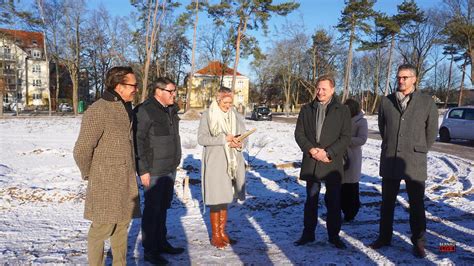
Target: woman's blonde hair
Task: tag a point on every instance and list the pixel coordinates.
(223, 92)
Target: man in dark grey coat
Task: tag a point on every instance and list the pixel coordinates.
(408, 124)
(158, 154)
(323, 132)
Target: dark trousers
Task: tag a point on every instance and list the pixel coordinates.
(333, 206)
(350, 202)
(416, 194)
(158, 199)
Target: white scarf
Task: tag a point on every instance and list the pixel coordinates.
(224, 123)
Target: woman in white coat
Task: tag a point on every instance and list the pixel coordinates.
(350, 202)
(223, 167)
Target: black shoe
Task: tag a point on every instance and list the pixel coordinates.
(419, 251)
(304, 240)
(379, 243)
(169, 249)
(337, 242)
(155, 258)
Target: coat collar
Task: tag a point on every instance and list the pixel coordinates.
(170, 108)
(113, 96)
(414, 98)
(334, 101)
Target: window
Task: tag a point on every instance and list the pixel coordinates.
(456, 113)
(19, 95)
(7, 50)
(469, 114)
(240, 84)
(36, 54)
(36, 96)
(34, 42)
(36, 69)
(37, 82)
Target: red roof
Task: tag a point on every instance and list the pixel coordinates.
(25, 39)
(216, 68)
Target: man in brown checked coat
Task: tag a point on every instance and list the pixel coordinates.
(105, 156)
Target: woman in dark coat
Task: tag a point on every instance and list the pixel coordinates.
(350, 202)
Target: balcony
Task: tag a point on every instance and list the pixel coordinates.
(6, 56)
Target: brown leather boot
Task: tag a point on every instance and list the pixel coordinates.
(216, 238)
(223, 222)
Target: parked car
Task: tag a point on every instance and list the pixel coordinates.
(6, 106)
(14, 106)
(458, 123)
(65, 107)
(261, 113)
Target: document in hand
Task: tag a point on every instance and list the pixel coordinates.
(246, 134)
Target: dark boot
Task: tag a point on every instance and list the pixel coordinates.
(419, 250)
(216, 238)
(223, 221)
(379, 243)
(304, 239)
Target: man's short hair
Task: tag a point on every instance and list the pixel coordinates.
(116, 75)
(327, 77)
(162, 82)
(410, 67)
(224, 92)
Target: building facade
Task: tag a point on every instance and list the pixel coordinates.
(23, 68)
(207, 80)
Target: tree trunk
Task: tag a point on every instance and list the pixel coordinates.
(150, 39)
(40, 5)
(240, 32)
(389, 66)
(449, 81)
(56, 61)
(191, 75)
(376, 82)
(472, 65)
(345, 94)
(462, 81)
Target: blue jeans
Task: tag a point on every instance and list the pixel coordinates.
(158, 199)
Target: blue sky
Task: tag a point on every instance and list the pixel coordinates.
(312, 14)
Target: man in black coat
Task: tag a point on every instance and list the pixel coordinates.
(408, 124)
(323, 132)
(158, 154)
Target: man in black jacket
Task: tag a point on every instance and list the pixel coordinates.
(323, 132)
(158, 153)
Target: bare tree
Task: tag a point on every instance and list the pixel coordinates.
(45, 49)
(153, 22)
(71, 34)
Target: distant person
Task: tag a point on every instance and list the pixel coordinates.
(350, 202)
(104, 155)
(323, 132)
(158, 155)
(408, 124)
(223, 165)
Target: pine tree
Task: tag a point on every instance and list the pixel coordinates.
(246, 15)
(353, 20)
(459, 28)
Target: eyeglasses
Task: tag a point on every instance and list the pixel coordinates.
(135, 86)
(170, 91)
(404, 77)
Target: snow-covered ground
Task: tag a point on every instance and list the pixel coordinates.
(42, 197)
